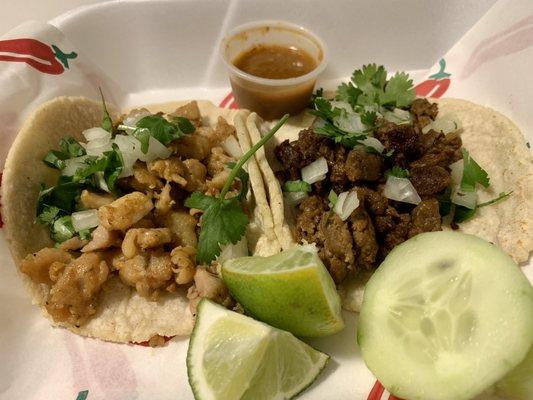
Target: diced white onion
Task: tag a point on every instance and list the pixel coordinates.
(128, 144)
(72, 165)
(465, 199)
(135, 116)
(347, 202)
(342, 105)
(85, 220)
(231, 251)
(374, 143)
(156, 150)
(98, 147)
(401, 189)
(457, 172)
(96, 133)
(316, 171)
(446, 124)
(232, 147)
(397, 116)
(294, 198)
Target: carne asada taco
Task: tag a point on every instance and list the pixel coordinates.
(378, 166)
(115, 251)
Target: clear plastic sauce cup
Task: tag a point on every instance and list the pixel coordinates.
(272, 98)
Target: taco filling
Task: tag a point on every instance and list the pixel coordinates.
(377, 167)
(119, 210)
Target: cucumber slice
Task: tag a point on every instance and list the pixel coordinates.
(444, 317)
(518, 384)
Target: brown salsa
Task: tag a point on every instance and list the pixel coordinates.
(275, 62)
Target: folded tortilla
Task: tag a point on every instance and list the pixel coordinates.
(492, 139)
(123, 315)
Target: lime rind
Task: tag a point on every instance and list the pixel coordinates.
(276, 356)
(291, 290)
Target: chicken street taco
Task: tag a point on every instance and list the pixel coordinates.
(378, 166)
(134, 213)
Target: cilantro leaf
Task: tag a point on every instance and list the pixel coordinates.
(63, 196)
(114, 166)
(369, 118)
(296, 186)
(445, 202)
(397, 172)
(223, 220)
(333, 198)
(165, 131)
(107, 122)
(48, 214)
(143, 136)
(200, 201)
(472, 174)
(370, 78)
(348, 92)
(463, 214)
(71, 148)
(399, 91)
(55, 159)
(227, 224)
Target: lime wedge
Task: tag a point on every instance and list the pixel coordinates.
(233, 357)
(291, 290)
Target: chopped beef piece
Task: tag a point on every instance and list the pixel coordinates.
(425, 217)
(439, 149)
(337, 169)
(311, 210)
(364, 237)
(363, 166)
(423, 112)
(189, 111)
(337, 253)
(429, 180)
(373, 201)
(290, 158)
(398, 234)
(313, 146)
(402, 139)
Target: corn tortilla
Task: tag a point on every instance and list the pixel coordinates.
(122, 314)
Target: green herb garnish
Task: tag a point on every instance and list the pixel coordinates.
(361, 100)
(223, 221)
(55, 159)
(397, 172)
(333, 198)
(71, 148)
(107, 122)
(463, 213)
(472, 174)
(165, 131)
(296, 186)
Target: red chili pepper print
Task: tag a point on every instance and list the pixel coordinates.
(378, 392)
(436, 85)
(229, 102)
(48, 59)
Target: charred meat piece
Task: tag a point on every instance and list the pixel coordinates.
(364, 238)
(337, 252)
(311, 210)
(429, 180)
(402, 139)
(423, 112)
(373, 201)
(425, 217)
(439, 149)
(291, 159)
(363, 166)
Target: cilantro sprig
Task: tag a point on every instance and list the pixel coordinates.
(397, 172)
(360, 102)
(223, 221)
(473, 174)
(160, 129)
